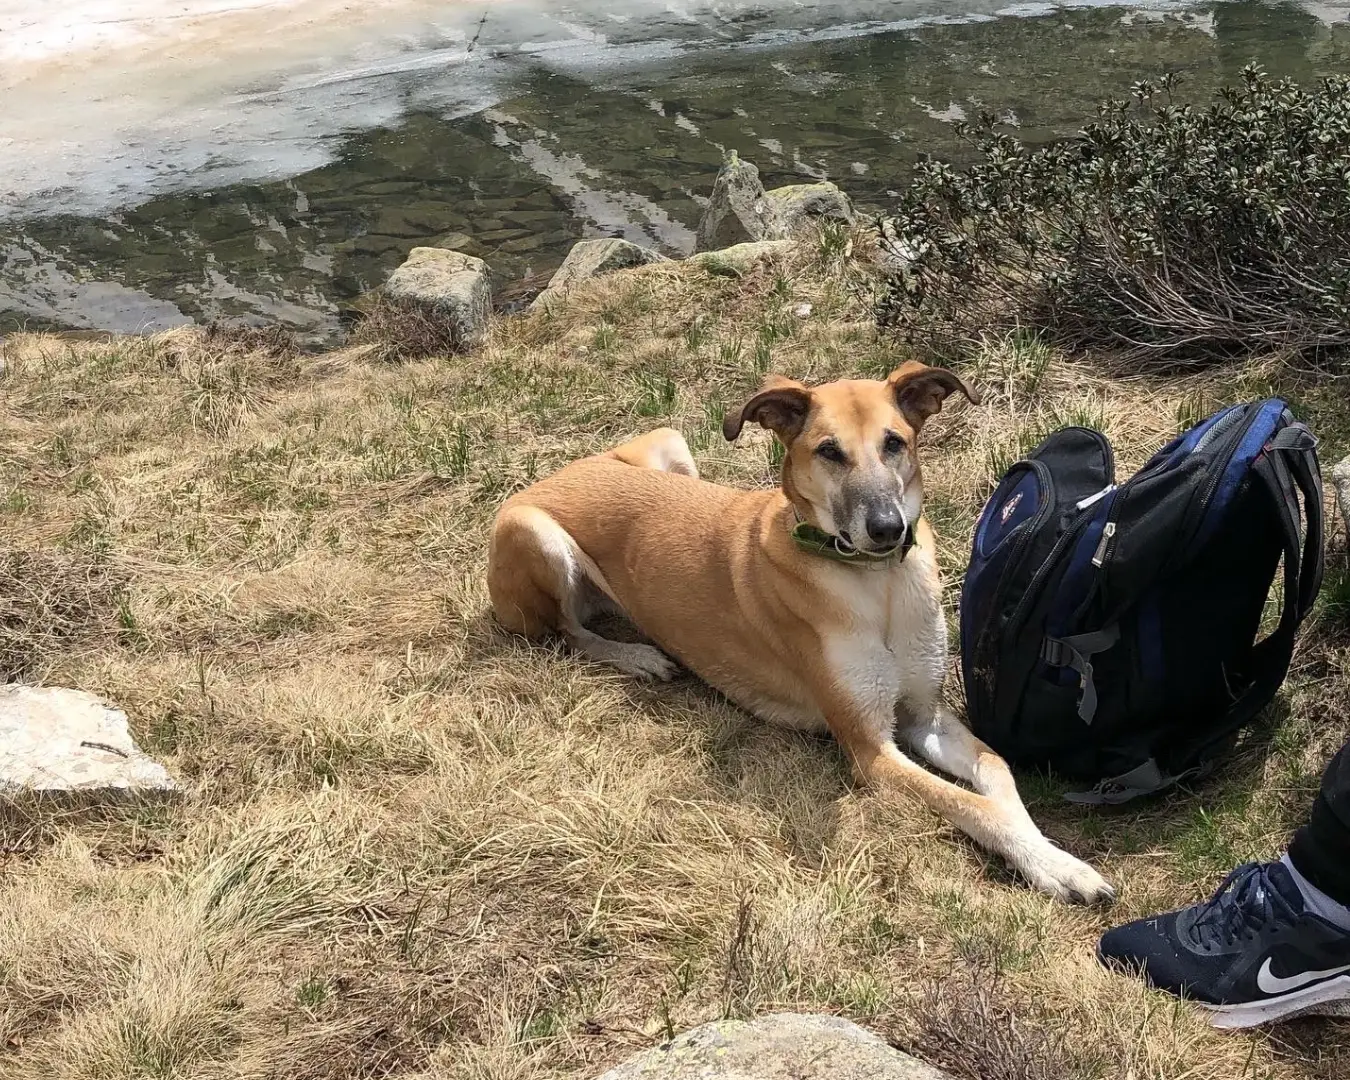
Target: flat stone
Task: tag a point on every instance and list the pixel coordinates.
(799, 205)
(499, 236)
(1340, 479)
(784, 1046)
(533, 219)
(739, 258)
(451, 284)
(397, 223)
(55, 741)
(373, 245)
(452, 240)
(525, 244)
(737, 210)
(591, 258)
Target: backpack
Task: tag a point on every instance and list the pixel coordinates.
(1109, 633)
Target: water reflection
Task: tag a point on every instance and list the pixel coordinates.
(631, 153)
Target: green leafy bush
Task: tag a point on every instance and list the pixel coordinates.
(1183, 233)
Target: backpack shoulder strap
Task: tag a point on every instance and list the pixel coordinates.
(1286, 468)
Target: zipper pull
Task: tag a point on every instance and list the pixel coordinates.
(1099, 556)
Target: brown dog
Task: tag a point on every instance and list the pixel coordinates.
(816, 605)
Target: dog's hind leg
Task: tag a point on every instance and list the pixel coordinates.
(540, 580)
(663, 449)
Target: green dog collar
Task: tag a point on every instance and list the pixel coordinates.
(828, 546)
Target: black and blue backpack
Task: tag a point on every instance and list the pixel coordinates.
(1113, 633)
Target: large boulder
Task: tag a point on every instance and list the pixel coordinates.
(1340, 478)
(740, 211)
(737, 211)
(451, 285)
(591, 258)
(799, 205)
(784, 1046)
(63, 742)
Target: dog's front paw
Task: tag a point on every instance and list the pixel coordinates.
(646, 662)
(1058, 873)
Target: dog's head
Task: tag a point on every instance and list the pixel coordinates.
(851, 466)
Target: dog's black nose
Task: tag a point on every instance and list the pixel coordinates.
(885, 525)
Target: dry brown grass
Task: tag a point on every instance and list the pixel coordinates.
(418, 847)
(393, 331)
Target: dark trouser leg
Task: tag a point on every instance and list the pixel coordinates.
(1321, 848)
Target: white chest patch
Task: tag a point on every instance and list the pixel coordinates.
(896, 645)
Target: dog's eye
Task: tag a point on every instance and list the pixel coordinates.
(832, 451)
(892, 443)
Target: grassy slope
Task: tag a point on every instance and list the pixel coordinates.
(417, 846)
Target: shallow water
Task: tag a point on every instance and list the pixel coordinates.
(196, 176)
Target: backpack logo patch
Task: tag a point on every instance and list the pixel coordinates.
(1008, 508)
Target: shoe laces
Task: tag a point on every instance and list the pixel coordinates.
(1246, 903)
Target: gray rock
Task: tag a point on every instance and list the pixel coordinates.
(784, 1046)
(739, 258)
(737, 211)
(1340, 479)
(591, 258)
(55, 741)
(799, 205)
(449, 283)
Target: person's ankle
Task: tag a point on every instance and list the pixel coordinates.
(1315, 900)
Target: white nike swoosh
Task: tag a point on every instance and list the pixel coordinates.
(1269, 984)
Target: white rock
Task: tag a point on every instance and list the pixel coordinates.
(449, 283)
(54, 740)
(784, 1046)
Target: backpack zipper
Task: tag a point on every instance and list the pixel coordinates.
(1033, 587)
(1104, 545)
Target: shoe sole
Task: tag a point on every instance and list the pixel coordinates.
(1330, 998)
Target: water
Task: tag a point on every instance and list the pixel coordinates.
(273, 159)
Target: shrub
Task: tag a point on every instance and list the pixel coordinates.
(1182, 233)
(971, 1025)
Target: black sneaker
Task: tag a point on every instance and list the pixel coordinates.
(1251, 954)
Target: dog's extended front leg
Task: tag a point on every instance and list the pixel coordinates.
(993, 816)
(943, 740)
(946, 742)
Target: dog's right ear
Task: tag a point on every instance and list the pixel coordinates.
(781, 407)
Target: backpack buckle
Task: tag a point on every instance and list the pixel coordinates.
(1076, 652)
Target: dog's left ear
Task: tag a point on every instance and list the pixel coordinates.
(920, 390)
